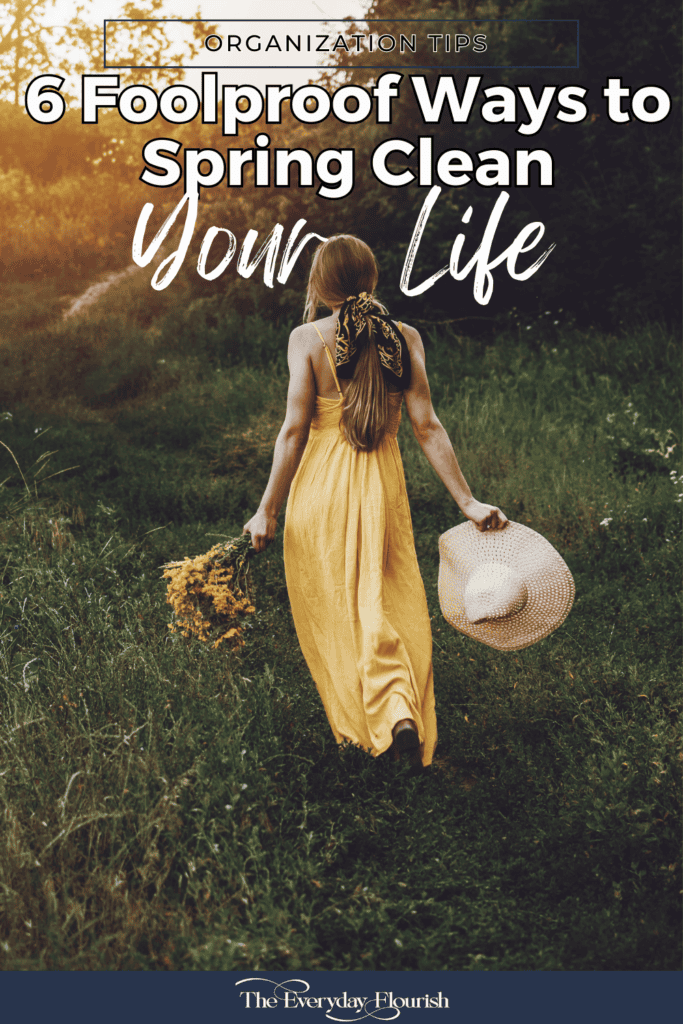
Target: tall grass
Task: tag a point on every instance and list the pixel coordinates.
(166, 806)
(134, 344)
(56, 228)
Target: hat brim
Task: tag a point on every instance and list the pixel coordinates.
(549, 583)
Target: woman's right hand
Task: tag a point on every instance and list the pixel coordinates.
(262, 528)
(484, 517)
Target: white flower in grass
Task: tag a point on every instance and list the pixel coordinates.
(605, 522)
(228, 807)
(397, 942)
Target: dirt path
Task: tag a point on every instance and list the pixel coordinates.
(93, 293)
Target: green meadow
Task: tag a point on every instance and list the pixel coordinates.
(166, 806)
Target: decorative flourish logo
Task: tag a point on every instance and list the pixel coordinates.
(293, 994)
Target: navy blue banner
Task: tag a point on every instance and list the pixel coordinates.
(317, 997)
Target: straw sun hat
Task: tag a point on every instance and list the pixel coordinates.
(507, 588)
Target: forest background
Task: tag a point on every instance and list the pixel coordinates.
(169, 807)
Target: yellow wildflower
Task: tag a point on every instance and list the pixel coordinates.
(211, 591)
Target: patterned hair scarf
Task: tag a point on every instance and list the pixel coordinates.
(353, 334)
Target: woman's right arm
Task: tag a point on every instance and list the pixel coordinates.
(436, 444)
(290, 443)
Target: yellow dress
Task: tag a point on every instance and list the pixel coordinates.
(355, 589)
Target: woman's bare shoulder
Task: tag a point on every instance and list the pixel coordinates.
(308, 332)
(413, 339)
(408, 331)
(303, 336)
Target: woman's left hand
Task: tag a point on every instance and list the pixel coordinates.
(262, 528)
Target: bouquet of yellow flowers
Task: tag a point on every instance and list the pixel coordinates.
(211, 591)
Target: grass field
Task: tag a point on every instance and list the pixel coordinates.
(168, 806)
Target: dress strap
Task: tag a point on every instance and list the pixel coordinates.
(331, 362)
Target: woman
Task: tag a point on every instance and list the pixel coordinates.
(355, 589)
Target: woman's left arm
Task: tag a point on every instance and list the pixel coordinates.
(290, 443)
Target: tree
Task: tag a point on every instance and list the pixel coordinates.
(25, 42)
(614, 209)
(30, 45)
(151, 46)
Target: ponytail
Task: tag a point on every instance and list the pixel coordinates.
(343, 266)
(365, 414)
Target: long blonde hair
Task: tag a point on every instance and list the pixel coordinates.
(344, 266)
